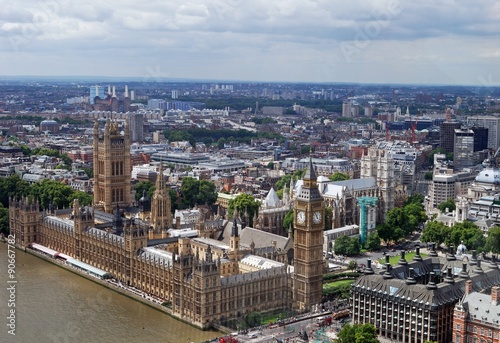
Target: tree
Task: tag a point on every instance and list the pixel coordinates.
(285, 180)
(89, 172)
(245, 204)
(357, 333)
(338, 176)
(328, 218)
(493, 240)
(52, 191)
(253, 319)
(197, 192)
(144, 186)
(85, 199)
(388, 233)
(416, 215)
(352, 265)
(207, 194)
(288, 221)
(12, 186)
(4, 220)
(448, 204)
(305, 149)
(345, 245)
(415, 198)
(372, 241)
(397, 218)
(469, 234)
(435, 232)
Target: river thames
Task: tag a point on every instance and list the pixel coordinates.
(54, 305)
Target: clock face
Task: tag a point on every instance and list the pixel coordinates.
(317, 217)
(301, 217)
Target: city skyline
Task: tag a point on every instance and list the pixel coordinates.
(402, 42)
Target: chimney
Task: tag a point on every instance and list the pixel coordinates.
(463, 274)
(411, 280)
(433, 252)
(177, 222)
(495, 295)
(417, 256)
(388, 267)
(468, 287)
(109, 89)
(478, 269)
(114, 92)
(473, 260)
(368, 269)
(493, 262)
(126, 91)
(449, 276)
(403, 261)
(451, 256)
(432, 281)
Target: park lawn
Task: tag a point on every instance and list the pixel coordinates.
(272, 318)
(338, 283)
(395, 259)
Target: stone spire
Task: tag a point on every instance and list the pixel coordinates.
(161, 213)
(310, 172)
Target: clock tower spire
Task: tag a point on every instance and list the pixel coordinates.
(309, 214)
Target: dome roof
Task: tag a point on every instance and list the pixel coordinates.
(48, 122)
(489, 175)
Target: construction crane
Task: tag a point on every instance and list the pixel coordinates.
(413, 127)
(492, 161)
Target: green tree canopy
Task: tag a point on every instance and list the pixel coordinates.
(328, 218)
(4, 220)
(345, 245)
(144, 186)
(85, 199)
(357, 333)
(372, 241)
(352, 265)
(197, 192)
(468, 233)
(415, 198)
(285, 180)
(397, 218)
(493, 240)
(435, 232)
(416, 216)
(52, 191)
(448, 204)
(338, 176)
(288, 221)
(12, 186)
(388, 233)
(244, 204)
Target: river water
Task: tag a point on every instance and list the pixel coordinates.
(54, 305)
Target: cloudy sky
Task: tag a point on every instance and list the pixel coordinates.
(371, 41)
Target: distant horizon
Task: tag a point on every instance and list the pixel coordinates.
(91, 78)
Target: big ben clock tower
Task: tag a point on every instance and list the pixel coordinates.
(309, 216)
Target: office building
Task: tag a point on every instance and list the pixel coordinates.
(447, 135)
(463, 149)
(480, 138)
(476, 316)
(136, 127)
(413, 301)
(492, 124)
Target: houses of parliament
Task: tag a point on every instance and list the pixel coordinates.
(205, 280)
